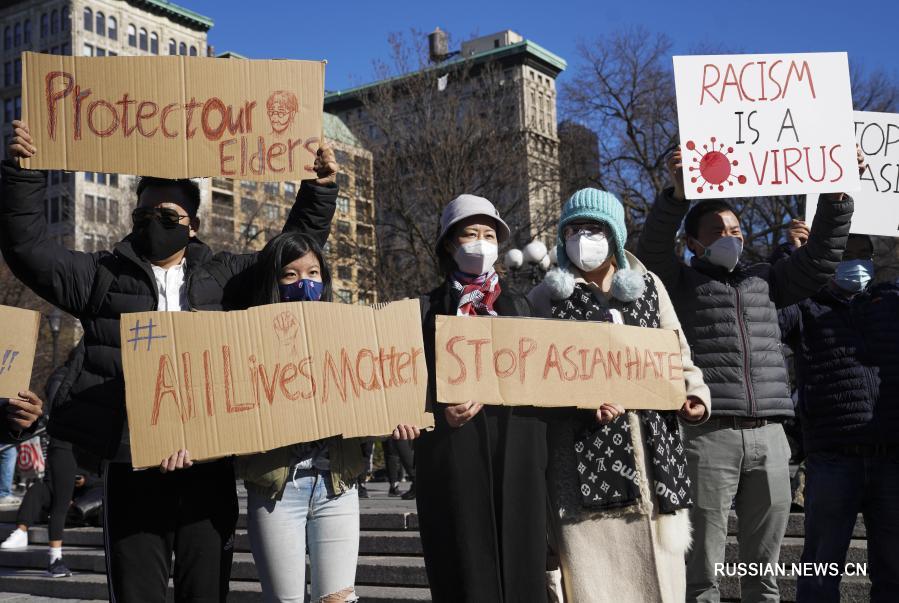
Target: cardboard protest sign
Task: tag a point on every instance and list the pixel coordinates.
(538, 362)
(877, 202)
(18, 342)
(174, 116)
(220, 383)
(765, 124)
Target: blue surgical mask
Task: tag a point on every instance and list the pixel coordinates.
(854, 275)
(302, 290)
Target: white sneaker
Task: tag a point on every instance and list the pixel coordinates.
(10, 500)
(17, 540)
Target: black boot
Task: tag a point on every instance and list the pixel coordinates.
(410, 493)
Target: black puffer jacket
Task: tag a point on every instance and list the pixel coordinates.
(730, 318)
(93, 417)
(847, 367)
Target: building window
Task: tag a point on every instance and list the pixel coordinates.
(89, 209)
(193, 51)
(271, 212)
(101, 24)
(344, 249)
(343, 204)
(132, 35)
(7, 73)
(143, 39)
(18, 71)
(343, 227)
(27, 31)
(54, 21)
(88, 50)
(88, 176)
(88, 20)
(64, 49)
(113, 211)
(18, 107)
(343, 181)
(345, 273)
(250, 185)
(248, 205)
(8, 111)
(173, 47)
(18, 35)
(182, 49)
(114, 178)
(101, 178)
(7, 38)
(290, 189)
(63, 19)
(112, 28)
(344, 296)
(100, 52)
(154, 43)
(45, 25)
(101, 209)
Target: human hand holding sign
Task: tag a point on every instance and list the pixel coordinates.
(693, 409)
(406, 432)
(797, 233)
(22, 412)
(21, 146)
(608, 412)
(325, 166)
(675, 165)
(458, 415)
(177, 460)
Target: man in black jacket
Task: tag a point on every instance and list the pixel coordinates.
(149, 514)
(728, 312)
(846, 344)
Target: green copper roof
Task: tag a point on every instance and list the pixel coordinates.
(524, 47)
(335, 129)
(177, 13)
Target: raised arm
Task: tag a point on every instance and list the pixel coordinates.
(316, 201)
(658, 241)
(809, 267)
(61, 276)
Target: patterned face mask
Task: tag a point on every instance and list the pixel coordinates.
(302, 290)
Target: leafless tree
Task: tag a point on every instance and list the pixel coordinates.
(623, 89)
(437, 131)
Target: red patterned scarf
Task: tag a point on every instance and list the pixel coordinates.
(476, 294)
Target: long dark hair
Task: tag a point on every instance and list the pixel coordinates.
(276, 254)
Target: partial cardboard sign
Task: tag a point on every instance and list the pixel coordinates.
(877, 202)
(540, 362)
(18, 343)
(221, 383)
(765, 124)
(174, 116)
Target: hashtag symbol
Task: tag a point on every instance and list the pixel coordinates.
(143, 333)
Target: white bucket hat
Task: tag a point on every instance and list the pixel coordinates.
(465, 206)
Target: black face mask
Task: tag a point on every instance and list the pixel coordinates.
(157, 242)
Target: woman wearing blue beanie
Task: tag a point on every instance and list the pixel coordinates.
(617, 480)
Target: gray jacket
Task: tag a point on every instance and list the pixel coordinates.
(730, 318)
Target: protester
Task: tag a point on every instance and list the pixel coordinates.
(728, 312)
(399, 457)
(303, 494)
(846, 345)
(149, 514)
(480, 474)
(638, 513)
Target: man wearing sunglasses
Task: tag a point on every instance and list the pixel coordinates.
(150, 514)
(847, 378)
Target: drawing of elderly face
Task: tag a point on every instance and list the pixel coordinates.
(281, 106)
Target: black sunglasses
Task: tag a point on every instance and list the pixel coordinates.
(168, 217)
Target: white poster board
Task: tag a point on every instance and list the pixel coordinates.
(765, 124)
(877, 202)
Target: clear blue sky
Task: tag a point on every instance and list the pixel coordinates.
(350, 34)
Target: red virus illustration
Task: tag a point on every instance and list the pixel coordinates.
(714, 166)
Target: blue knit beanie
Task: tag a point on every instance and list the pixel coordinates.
(599, 206)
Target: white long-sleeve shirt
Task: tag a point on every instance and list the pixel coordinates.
(172, 288)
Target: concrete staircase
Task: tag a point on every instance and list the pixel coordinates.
(391, 567)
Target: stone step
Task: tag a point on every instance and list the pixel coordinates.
(791, 550)
(371, 569)
(853, 589)
(375, 542)
(796, 525)
(92, 587)
(26, 598)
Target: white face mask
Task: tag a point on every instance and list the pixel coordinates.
(724, 252)
(587, 251)
(477, 257)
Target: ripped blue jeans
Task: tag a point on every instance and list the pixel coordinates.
(307, 516)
